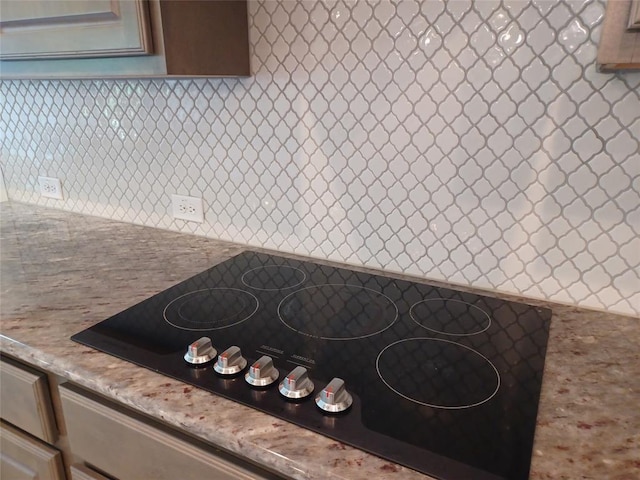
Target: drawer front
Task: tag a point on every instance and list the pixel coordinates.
(82, 472)
(23, 457)
(128, 448)
(25, 400)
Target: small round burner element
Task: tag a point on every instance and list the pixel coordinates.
(210, 309)
(449, 316)
(337, 311)
(273, 277)
(438, 373)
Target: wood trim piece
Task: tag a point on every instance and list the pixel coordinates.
(619, 47)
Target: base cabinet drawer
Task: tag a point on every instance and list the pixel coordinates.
(82, 472)
(25, 400)
(23, 457)
(127, 447)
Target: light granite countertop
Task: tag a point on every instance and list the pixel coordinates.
(62, 272)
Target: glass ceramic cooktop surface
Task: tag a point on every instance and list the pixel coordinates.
(442, 381)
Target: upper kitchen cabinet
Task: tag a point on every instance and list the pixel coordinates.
(123, 38)
(619, 47)
(73, 29)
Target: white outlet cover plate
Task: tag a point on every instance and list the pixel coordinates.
(50, 187)
(187, 208)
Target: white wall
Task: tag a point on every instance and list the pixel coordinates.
(467, 141)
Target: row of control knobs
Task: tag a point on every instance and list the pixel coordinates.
(333, 398)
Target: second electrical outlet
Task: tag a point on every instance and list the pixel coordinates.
(50, 187)
(187, 208)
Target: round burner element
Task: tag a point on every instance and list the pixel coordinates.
(337, 311)
(449, 316)
(210, 309)
(438, 373)
(273, 277)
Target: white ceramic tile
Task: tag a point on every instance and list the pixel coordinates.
(482, 39)
(465, 141)
(511, 38)
(499, 20)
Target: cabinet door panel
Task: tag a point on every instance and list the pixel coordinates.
(22, 457)
(34, 13)
(10, 468)
(73, 28)
(25, 401)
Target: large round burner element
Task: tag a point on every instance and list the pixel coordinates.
(210, 309)
(449, 316)
(273, 277)
(337, 311)
(438, 373)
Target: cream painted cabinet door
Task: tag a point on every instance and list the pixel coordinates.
(37, 29)
(24, 458)
(25, 400)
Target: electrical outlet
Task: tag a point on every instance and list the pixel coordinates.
(187, 208)
(50, 187)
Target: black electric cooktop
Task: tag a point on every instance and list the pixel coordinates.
(442, 381)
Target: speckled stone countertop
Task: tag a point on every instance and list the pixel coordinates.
(62, 272)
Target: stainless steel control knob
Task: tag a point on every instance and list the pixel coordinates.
(230, 361)
(262, 372)
(296, 384)
(201, 351)
(334, 398)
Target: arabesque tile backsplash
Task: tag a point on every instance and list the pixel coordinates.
(469, 141)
